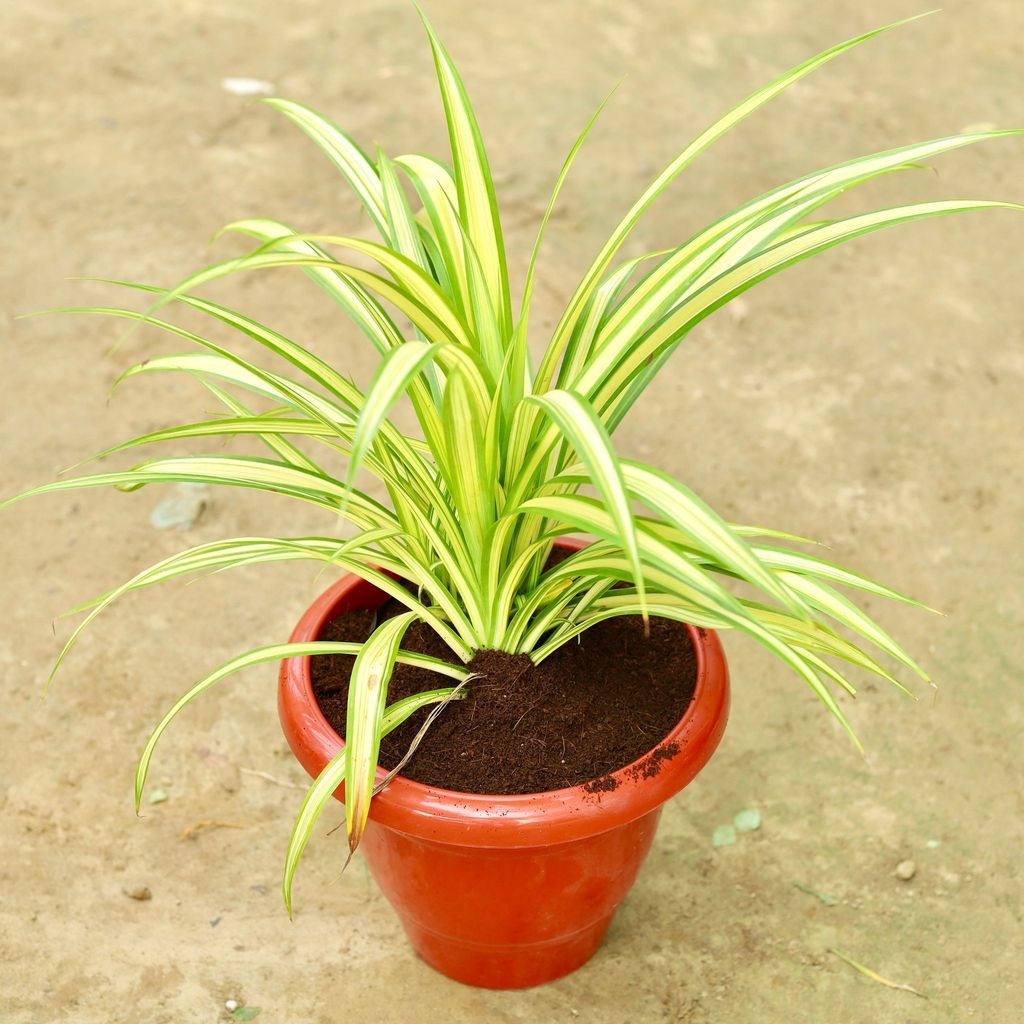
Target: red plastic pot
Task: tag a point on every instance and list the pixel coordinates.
(506, 891)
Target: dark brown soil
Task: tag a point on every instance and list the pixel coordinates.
(591, 708)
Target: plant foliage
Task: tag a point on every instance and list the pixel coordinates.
(477, 499)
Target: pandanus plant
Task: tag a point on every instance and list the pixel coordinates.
(476, 502)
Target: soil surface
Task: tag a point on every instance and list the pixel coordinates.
(870, 398)
(591, 708)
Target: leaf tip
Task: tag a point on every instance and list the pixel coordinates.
(217, 235)
(351, 852)
(431, 34)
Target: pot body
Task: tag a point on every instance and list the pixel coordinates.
(507, 891)
(512, 917)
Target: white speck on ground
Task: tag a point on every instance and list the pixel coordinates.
(247, 86)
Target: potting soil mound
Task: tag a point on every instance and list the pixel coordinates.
(597, 704)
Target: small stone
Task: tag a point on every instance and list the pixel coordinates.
(724, 835)
(231, 1005)
(139, 892)
(247, 86)
(747, 821)
(738, 310)
(905, 870)
(182, 509)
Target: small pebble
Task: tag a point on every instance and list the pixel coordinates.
(247, 86)
(140, 892)
(747, 821)
(724, 835)
(738, 310)
(181, 510)
(230, 1005)
(905, 870)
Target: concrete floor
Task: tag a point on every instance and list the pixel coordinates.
(871, 398)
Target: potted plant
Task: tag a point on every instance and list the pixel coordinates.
(516, 707)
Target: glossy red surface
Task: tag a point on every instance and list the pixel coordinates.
(506, 891)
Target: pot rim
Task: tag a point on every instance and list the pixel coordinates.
(532, 819)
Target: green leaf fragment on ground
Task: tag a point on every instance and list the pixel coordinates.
(158, 796)
(875, 976)
(246, 1013)
(724, 835)
(829, 901)
(748, 820)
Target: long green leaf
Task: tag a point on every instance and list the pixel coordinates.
(616, 364)
(367, 696)
(469, 468)
(276, 652)
(396, 371)
(240, 471)
(844, 611)
(358, 303)
(355, 555)
(436, 190)
(710, 135)
(283, 449)
(344, 153)
(228, 426)
(478, 205)
(333, 775)
(579, 424)
(723, 620)
(518, 364)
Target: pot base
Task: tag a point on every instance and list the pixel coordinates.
(507, 967)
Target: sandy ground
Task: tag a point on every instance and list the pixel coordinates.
(871, 398)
